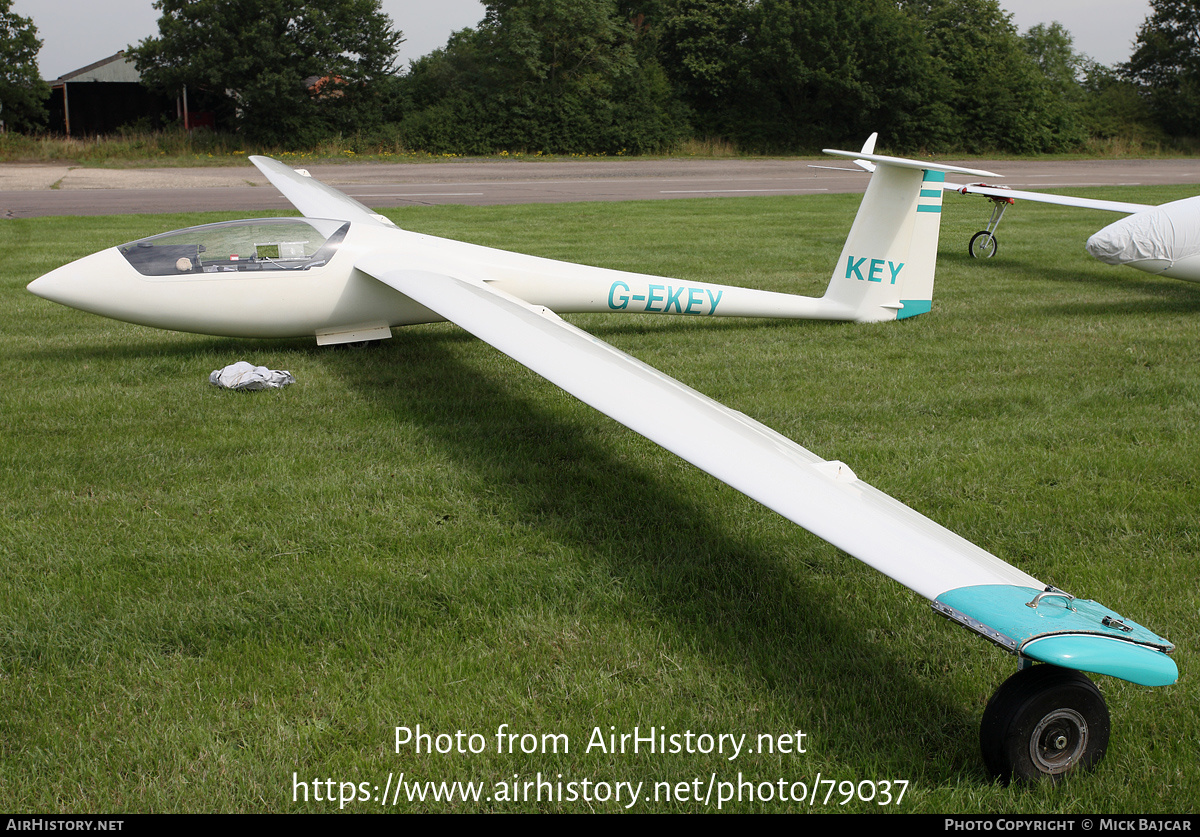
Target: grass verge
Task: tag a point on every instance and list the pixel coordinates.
(212, 600)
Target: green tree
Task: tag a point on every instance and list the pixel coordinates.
(22, 92)
(544, 75)
(821, 71)
(1092, 101)
(991, 93)
(701, 46)
(1053, 50)
(1114, 108)
(1060, 78)
(1166, 64)
(259, 58)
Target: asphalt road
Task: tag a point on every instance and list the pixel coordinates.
(38, 190)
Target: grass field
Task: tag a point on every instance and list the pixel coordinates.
(209, 599)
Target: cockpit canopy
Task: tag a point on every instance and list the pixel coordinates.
(238, 246)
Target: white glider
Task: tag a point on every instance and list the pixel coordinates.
(345, 273)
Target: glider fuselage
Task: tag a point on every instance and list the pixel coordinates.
(296, 278)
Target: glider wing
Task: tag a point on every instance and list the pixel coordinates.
(1045, 197)
(822, 496)
(962, 581)
(313, 198)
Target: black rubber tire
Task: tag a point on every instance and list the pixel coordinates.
(983, 245)
(1043, 723)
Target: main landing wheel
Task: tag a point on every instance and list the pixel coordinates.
(1042, 723)
(983, 245)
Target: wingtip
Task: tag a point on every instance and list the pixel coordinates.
(262, 163)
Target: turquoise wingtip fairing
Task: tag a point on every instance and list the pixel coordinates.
(1052, 627)
(1105, 655)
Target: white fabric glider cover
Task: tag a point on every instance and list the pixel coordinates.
(1170, 233)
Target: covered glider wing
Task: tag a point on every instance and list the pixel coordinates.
(869, 160)
(983, 244)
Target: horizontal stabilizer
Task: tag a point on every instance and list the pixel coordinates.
(905, 163)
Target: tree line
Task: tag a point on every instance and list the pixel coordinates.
(641, 76)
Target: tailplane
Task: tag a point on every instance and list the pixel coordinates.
(887, 265)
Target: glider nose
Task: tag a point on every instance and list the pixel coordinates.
(88, 284)
(54, 286)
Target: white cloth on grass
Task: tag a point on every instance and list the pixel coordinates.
(242, 375)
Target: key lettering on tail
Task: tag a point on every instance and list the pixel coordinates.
(874, 269)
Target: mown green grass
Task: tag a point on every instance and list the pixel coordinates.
(204, 592)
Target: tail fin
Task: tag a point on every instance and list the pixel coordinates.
(868, 148)
(886, 268)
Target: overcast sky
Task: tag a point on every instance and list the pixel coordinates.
(75, 34)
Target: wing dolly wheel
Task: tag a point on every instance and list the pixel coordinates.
(983, 245)
(1043, 723)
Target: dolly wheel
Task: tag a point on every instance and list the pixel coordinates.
(1042, 723)
(983, 245)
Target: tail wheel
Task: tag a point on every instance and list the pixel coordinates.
(983, 245)
(1043, 723)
